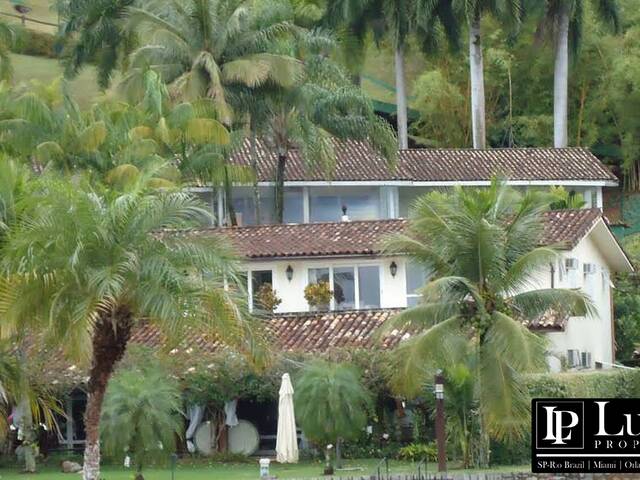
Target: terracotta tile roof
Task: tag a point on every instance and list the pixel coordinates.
(357, 161)
(311, 332)
(549, 321)
(312, 239)
(322, 331)
(318, 332)
(293, 332)
(564, 228)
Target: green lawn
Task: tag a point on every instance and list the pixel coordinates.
(40, 10)
(238, 472)
(26, 68)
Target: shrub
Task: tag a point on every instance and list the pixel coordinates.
(266, 298)
(39, 44)
(417, 452)
(604, 383)
(318, 294)
(140, 416)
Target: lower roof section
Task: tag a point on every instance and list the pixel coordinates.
(304, 332)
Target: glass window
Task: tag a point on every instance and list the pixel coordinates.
(416, 278)
(293, 205)
(369, 287)
(325, 203)
(243, 206)
(344, 288)
(210, 203)
(317, 275)
(258, 279)
(324, 208)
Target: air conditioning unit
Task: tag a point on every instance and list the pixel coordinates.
(573, 358)
(585, 359)
(589, 268)
(571, 263)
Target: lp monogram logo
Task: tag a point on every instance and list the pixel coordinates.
(556, 425)
(559, 424)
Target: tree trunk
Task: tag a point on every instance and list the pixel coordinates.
(254, 167)
(560, 81)
(583, 99)
(110, 336)
(338, 452)
(477, 85)
(279, 186)
(401, 99)
(228, 197)
(29, 436)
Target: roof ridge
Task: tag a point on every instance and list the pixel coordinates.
(492, 149)
(276, 315)
(275, 225)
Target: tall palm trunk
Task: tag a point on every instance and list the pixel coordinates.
(401, 98)
(29, 434)
(476, 70)
(279, 185)
(560, 81)
(110, 337)
(254, 167)
(228, 197)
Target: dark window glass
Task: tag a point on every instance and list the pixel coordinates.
(369, 287)
(258, 279)
(344, 291)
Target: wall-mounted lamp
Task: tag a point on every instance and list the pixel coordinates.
(393, 268)
(289, 272)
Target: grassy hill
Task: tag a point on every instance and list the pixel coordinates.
(377, 75)
(26, 68)
(40, 10)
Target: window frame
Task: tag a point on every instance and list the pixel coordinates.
(250, 273)
(413, 294)
(356, 283)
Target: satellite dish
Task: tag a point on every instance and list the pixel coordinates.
(205, 439)
(244, 438)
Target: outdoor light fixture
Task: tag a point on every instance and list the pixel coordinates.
(289, 272)
(393, 268)
(439, 386)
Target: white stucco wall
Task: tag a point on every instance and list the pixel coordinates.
(392, 289)
(586, 334)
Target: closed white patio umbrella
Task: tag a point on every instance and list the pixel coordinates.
(287, 438)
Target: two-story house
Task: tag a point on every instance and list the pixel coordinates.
(333, 228)
(320, 242)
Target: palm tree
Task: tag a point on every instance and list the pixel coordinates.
(481, 247)
(509, 12)
(95, 32)
(141, 416)
(10, 383)
(111, 267)
(396, 20)
(564, 19)
(331, 402)
(201, 47)
(310, 115)
(7, 37)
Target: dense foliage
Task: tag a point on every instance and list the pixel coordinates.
(604, 91)
(481, 247)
